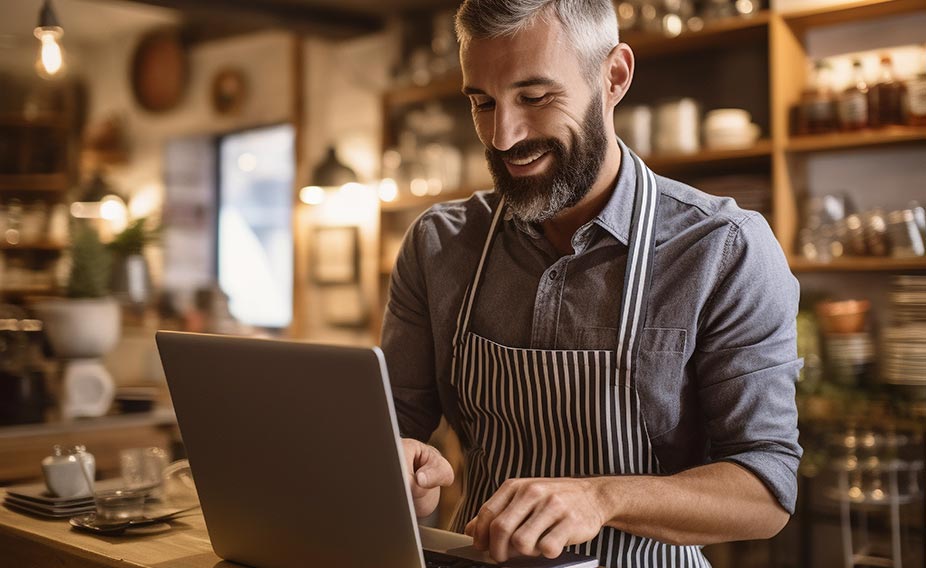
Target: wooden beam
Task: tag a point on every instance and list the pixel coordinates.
(301, 18)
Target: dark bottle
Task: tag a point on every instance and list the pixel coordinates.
(915, 108)
(853, 101)
(817, 109)
(885, 100)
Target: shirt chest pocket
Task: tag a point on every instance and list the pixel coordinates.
(660, 377)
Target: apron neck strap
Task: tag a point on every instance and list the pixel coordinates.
(639, 270)
(466, 309)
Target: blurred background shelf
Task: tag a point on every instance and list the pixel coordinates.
(40, 246)
(707, 157)
(20, 291)
(847, 12)
(862, 139)
(725, 33)
(407, 202)
(860, 264)
(446, 86)
(55, 182)
(46, 120)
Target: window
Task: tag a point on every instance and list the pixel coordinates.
(255, 236)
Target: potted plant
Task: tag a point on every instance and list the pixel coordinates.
(131, 279)
(84, 326)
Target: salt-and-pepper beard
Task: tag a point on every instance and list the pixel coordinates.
(540, 197)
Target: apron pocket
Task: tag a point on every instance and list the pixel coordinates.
(659, 377)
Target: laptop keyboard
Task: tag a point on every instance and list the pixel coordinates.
(437, 560)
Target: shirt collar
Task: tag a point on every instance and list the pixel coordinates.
(617, 213)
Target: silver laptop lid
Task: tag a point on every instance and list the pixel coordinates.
(295, 451)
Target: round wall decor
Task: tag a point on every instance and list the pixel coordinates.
(160, 70)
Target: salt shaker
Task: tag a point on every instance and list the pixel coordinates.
(69, 473)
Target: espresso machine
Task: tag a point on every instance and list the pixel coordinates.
(23, 372)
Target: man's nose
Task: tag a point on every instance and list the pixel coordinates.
(509, 128)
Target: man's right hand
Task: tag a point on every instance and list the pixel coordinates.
(428, 471)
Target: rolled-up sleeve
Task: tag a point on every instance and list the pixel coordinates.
(407, 342)
(746, 360)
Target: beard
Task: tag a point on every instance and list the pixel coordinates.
(568, 179)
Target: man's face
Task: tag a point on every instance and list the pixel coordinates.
(539, 119)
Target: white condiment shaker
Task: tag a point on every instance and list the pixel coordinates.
(63, 474)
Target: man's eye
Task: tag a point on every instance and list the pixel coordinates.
(535, 100)
(483, 104)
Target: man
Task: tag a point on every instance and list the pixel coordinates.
(616, 350)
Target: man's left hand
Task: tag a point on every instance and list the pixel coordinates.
(538, 516)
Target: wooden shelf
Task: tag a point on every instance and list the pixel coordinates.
(411, 202)
(40, 246)
(675, 162)
(45, 290)
(850, 12)
(727, 32)
(859, 264)
(33, 182)
(441, 88)
(39, 121)
(861, 139)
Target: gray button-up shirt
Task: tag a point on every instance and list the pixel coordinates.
(718, 354)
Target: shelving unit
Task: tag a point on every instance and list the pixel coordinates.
(720, 34)
(757, 63)
(36, 159)
(789, 60)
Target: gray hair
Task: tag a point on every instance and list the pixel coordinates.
(591, 25)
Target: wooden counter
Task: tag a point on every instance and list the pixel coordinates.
(32, 542)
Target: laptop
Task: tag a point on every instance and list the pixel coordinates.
(297, 458)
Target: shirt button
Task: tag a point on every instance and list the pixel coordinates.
(553, 275)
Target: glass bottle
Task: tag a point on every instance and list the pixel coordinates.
(853, 101)
(885, 98)
(817, 113)
(915, 101)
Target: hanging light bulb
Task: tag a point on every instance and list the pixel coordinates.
(50, 61)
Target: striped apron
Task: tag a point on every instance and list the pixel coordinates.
(560, 413)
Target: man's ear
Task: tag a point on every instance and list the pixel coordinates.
(618, 73)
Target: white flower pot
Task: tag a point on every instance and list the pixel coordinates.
(81, 327)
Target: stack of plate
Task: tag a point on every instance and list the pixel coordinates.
(908, 301)
(35, 499)
(905, 355)
(905, 342)
(851, 358)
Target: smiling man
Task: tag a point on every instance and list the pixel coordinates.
(616, 350)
